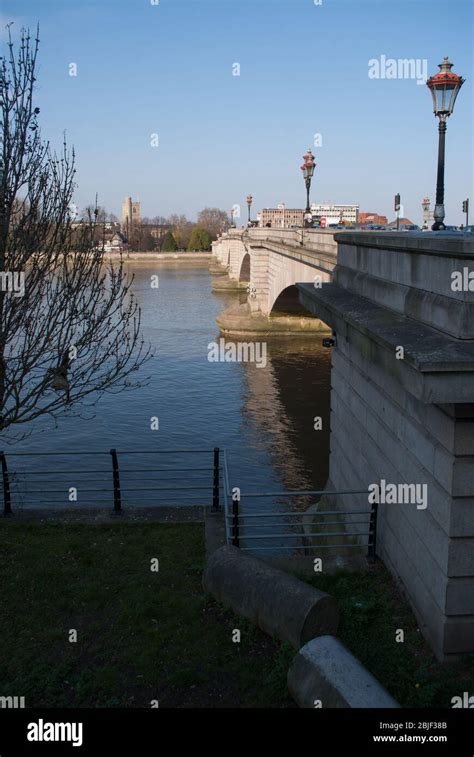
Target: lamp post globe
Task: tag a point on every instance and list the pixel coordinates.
(308, 171)
(444, 87)
(249, 204)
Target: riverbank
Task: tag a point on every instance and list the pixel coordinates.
(192, 258)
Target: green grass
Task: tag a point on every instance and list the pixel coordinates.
(142, 635)
(146, 636)
(372, 612)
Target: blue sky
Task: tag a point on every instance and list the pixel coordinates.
(167, 69)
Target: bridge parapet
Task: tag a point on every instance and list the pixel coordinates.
(413, 274)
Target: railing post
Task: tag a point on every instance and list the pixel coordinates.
(116, 475)
(7, 502)
(235, 519)
(372, 546)
(215, 482)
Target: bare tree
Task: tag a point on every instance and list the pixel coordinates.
(69, 324)
(98, 211)
(214, 220)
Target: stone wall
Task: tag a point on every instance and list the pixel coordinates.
(409, 419)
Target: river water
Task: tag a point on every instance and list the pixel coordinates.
(262, 416)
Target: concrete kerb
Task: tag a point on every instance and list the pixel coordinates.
(324, 671)
(280, 604)
(325, 674)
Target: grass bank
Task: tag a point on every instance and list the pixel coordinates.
(141, 635)
(144, 635)
(373, 612)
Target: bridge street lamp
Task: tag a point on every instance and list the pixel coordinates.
(249, 203)
(444, 87)
(308, 171)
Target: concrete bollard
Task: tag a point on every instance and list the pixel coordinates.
(325, 674)
(280, 604)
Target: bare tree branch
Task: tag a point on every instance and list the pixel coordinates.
(73, 331)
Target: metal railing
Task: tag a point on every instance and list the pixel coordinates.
(117, 479)
(134, 478)
(299, 531)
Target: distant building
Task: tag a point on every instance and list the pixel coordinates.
(281, 217)
(157, 230)
(115, 244)
(131, 216)
(428, 215)
(402, 222)
(373, 218)
(335, 214)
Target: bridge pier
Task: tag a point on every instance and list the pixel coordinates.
(402, 413)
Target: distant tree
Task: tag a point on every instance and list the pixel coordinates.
(169, 243)
(200, 239)
(113, 218)
(97, 211)
(73, 332)
(181, 228)
(159, 220)
(147, 241)
(214, 220)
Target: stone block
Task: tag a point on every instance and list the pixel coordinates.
(280, 604)
(325, 674)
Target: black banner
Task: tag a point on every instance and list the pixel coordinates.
(92, 732)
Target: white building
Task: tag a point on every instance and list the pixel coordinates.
(116, 244)
(335, 214)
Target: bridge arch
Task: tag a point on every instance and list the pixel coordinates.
(244, 273)
(288, 303)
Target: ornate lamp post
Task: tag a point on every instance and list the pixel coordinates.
(444, 87)
(249, 203)
(308, 171)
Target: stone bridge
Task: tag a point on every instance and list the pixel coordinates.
(401, 309)
(269, 263)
